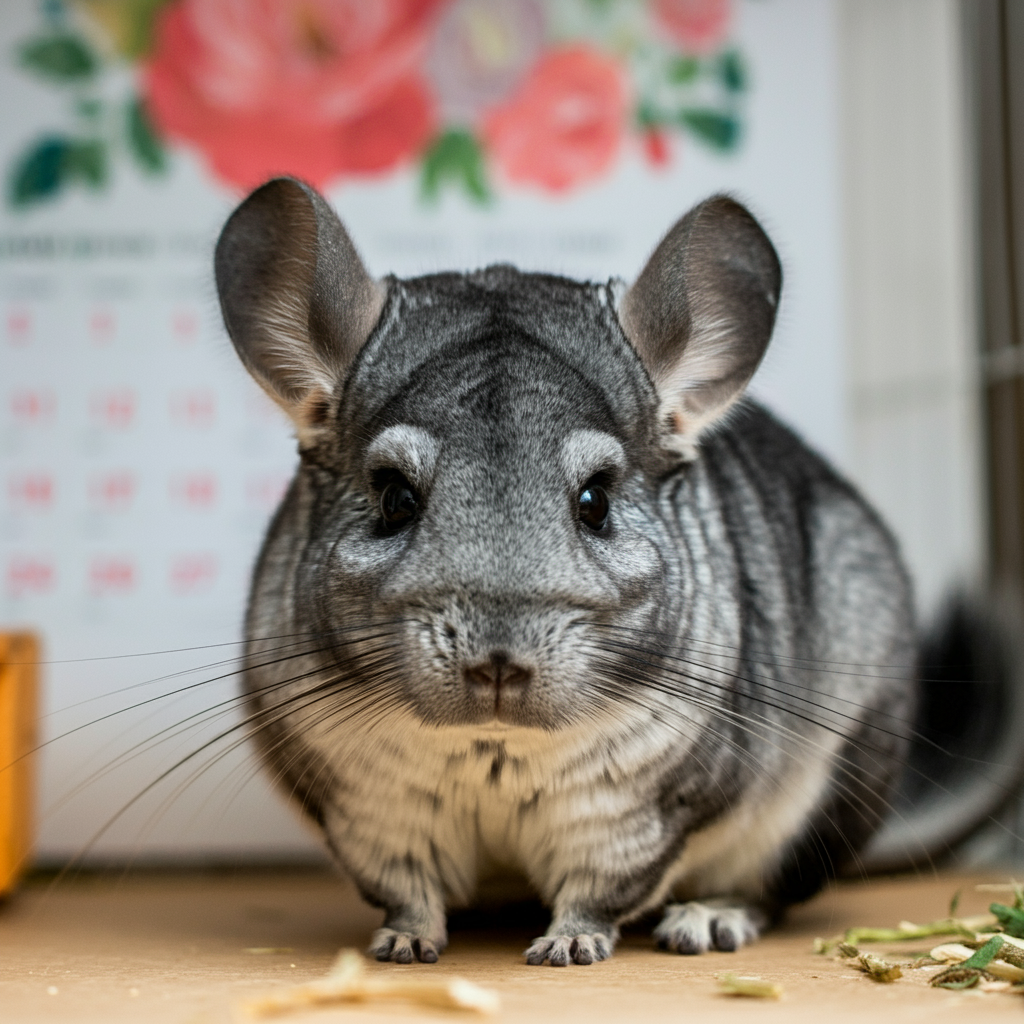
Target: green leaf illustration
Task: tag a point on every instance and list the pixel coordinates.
(683, 69)
(143, 141)
(455, 158)
(86, 161)
(39, 174)
(61, 57)
(733, 71)
(648, 115)
(51, 164)
(718, 130)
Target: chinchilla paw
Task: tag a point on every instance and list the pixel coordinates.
(562, 950)
(691, 928)
(403, 947)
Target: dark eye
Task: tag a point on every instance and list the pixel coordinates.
(398, 504)
(593, 507)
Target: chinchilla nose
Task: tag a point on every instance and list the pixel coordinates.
(497, 672)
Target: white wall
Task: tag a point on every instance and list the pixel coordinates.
(910, 324)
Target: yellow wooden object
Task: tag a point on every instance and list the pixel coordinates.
(19, 673)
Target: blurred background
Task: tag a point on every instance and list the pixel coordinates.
(876, 140)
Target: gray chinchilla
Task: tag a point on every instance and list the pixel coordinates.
(547, 597)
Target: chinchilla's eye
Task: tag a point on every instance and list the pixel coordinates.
(398, 504)
(593, 506)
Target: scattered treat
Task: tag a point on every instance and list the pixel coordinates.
(989, 960)
(757, 988)
(348, 982)
(877, 969)
(959, 977)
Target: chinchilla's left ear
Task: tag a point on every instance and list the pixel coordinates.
(296, 299)
(700, 315)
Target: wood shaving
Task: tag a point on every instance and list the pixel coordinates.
(348, 982)
(951, 953)
(758, 988)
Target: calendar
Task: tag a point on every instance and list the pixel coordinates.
(139, 465)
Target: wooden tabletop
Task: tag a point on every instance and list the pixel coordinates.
(189, 947)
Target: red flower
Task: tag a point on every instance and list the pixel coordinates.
(656, 148)
(315, 88)
(564, 124)
(696, 25)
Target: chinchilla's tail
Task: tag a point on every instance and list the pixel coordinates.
(960, 800)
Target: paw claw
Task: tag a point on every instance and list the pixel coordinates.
(562, 950)
(425, 950)
(402, 947)
(693, 928)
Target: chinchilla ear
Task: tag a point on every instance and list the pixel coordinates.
(700, 315)
(296, 299)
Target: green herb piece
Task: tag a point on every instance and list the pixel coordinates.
(954, 903)
(683, 69)
(734, 985)
(845, 950)
(733, 71)
(822, 946)
(946, 926)
(715, 129)
(61, 57)
(984, 956)
(959, 977)
(455, 157)
(878, 969)
(1011, 918)
(143, 141)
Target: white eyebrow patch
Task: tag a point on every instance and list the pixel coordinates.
(411, 450)
(586, 452)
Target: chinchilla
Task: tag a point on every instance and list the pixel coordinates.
(548, 596)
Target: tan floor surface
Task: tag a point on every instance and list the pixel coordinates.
(180, 948)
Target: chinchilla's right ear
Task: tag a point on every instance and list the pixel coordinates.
(701, 313)
(295, 296)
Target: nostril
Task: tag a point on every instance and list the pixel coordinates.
(485, 674)
(515, 675)
(497, 671)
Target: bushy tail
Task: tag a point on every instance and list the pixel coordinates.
(960, 799)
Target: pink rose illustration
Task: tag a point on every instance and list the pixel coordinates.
(481, 51)
(315, 88)
(565, 123)
(698, 26)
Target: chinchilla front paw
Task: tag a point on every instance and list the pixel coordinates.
(562, 950)
(404, 947)
(691, 928)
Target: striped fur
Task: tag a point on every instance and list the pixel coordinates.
(718, 679)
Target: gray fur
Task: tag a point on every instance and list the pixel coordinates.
(648, 713)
